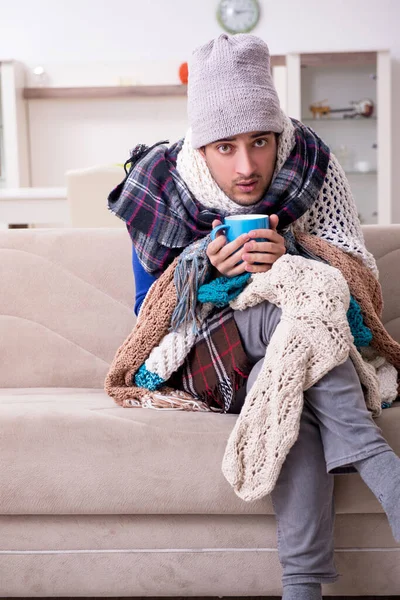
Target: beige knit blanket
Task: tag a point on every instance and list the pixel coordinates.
(364, 288)
(312, 337)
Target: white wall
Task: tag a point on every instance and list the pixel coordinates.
(69, 134)
(98, 41)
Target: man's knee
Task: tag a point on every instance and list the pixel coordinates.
(256, 326)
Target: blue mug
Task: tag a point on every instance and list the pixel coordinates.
(236, 225)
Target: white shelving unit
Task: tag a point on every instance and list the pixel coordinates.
(336, 79)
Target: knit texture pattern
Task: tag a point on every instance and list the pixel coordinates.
(313, 336)
(333, 216)
(230, 89)
(222, 290)
(166, 358)
(365, 289)
(146, 379)
(362, 335)
(151, 328)
(386, 373)
(170, 354)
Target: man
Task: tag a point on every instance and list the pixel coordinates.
(243, 155)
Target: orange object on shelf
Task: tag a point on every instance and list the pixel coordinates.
(184, 73)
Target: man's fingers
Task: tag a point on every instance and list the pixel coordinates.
(239, 270)
(226, 266)
(226, 250)
(232, 261)
(257, 268)
(273, 221)
(215, 246)
(232, 247)
(267, 247)
(259, 257)
(234, 258)
(267, 234)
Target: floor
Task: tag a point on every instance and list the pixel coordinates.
(216, 598)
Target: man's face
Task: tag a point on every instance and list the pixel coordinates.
(243, 165)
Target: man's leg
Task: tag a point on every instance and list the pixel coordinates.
(381, 473)
(352, 440)
(303, 495)
(304, 508)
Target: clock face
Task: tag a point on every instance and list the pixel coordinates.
(238, 16)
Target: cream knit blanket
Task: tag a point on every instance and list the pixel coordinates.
(312, 338)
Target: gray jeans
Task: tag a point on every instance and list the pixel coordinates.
(336, 429)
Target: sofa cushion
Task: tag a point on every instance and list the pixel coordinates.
(384, 243)
(74, 451)
(67, 305)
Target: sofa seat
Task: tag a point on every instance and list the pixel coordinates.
(87, 455)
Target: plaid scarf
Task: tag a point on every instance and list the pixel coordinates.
(217, 365)
(163, 217)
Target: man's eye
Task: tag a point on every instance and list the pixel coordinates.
(261, 143)
(224, 148)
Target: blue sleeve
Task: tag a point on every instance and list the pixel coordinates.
(143, 281)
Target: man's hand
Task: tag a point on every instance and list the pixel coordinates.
(227, 258)
(265, 253)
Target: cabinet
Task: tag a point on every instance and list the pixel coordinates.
(362, 144)
(14, 155)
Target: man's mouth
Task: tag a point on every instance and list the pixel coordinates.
(247, 186)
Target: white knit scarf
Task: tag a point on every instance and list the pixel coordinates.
(333, 217)
(193, 169)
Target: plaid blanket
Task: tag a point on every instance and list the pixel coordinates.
(217, 366)
(163, 217)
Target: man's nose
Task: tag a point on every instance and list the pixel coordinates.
(244, 164)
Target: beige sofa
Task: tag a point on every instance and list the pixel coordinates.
(98, 500)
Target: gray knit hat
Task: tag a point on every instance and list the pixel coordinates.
(230, 89)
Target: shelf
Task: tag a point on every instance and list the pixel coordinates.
(117, 91)
(325, 59)
(120, 91)
(372, 172)
(336, 120)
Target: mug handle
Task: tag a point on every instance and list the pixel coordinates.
(216, 229)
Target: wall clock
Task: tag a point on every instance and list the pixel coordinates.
(238, 16)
